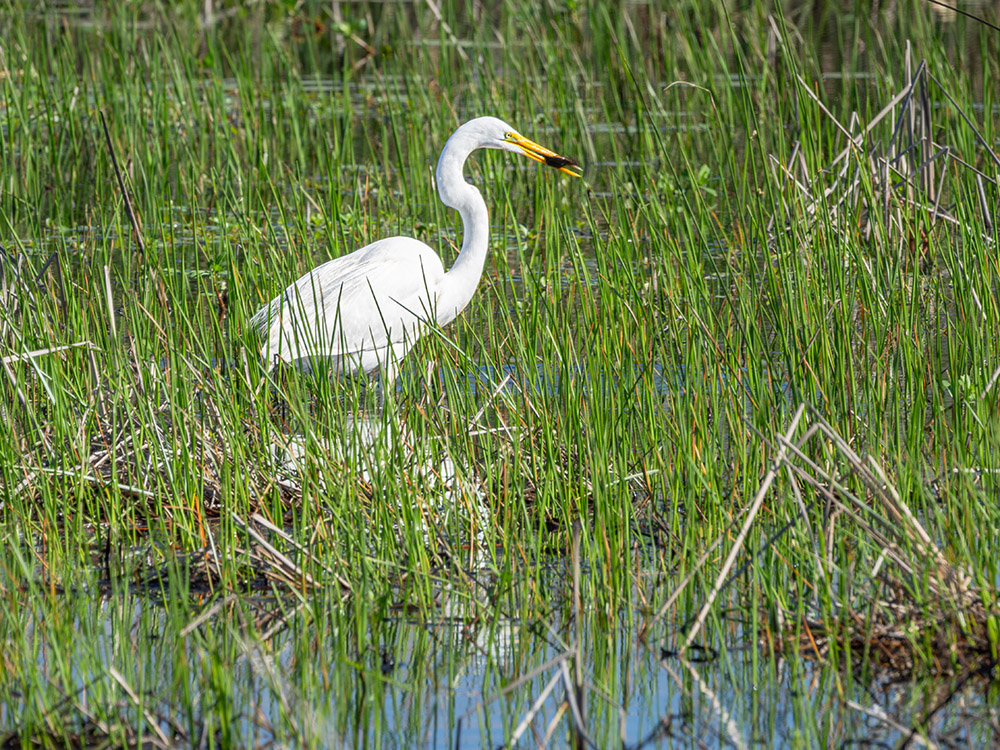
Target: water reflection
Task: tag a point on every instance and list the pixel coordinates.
(465, 682)
(378, 448)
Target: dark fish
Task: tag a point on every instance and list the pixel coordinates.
(560, 161)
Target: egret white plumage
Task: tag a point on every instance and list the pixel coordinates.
(364, 310)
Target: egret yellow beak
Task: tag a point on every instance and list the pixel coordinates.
(541, 154)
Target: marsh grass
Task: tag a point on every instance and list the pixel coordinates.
(199, 552)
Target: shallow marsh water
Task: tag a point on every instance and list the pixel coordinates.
(444, 681)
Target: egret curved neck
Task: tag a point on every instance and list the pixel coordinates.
(463, 277)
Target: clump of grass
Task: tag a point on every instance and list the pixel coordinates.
(889, 190)
(927, 612)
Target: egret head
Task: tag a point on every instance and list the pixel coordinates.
(490, 132)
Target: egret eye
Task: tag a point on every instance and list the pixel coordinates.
(508, 136)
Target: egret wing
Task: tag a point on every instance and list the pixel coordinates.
(356, 309)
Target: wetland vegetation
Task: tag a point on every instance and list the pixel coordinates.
(710, 460)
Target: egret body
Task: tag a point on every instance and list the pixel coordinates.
(364, 310)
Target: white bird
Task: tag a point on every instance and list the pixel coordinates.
(364, 310)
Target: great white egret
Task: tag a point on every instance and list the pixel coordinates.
(364, 310)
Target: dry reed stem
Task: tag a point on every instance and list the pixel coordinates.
(738, 544)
